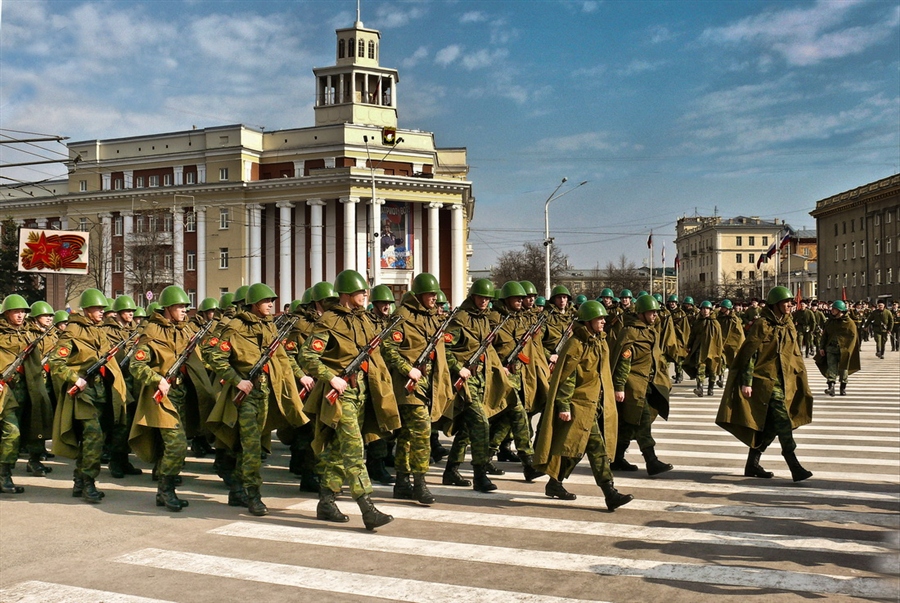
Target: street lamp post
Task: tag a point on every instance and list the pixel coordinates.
(548, 242)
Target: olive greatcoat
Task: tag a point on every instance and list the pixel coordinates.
(531, 367)
(773, 349)
(732, 335)
(842, 329)
(705, 344)
(638, 345)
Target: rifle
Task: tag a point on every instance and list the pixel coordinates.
(173, 371)
(357, 363)
(475, 358)
(16, 365)
(267, 354)
(127, 358)
(516, 353)
(562, 341)
(423, 358)
(46, 358)
(104, 359)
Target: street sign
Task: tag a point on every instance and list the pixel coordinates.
(149, 295)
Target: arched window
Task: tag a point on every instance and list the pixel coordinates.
(362, 48)
(350, 47)
(371, 49)
(341, 49)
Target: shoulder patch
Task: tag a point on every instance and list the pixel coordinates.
(225, 346)
(397, 336)
(626, 354)
(448, 338)
(317, 344)
(140, 355)
(213, 342)
(290, 345)
(63, 352)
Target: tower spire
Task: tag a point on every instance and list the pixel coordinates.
(358, 19)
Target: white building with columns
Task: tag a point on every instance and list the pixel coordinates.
(230, 205)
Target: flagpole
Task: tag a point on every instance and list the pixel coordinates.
(664, 271)
(650, 244)
(778, 261)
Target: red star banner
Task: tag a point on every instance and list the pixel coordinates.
(59, 251)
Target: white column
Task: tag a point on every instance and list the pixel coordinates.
(434, 240)
(458, 251)
(375, 241)
(329, 241)
(349, 232)
(106, 246)
(286, 287)
(271, 250)
(315, 239)
(202, 257)
(300, 252)
(362, 242)
(127, 231)
(418, 248)
(254, 226)
(178, 246)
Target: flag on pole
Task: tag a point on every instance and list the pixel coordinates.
(772, 249)
(650, 241)
(762, 258)
(664, 253)
(844, 293)
(798, 297)
(784, 240)
(677, 262)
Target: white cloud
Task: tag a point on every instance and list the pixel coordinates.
(483, 58)
(586, 141)
(474, 16)
(420, 54)
(590, 6)
(640, 66)
(448, 54)
(659, 34)
(389, 16)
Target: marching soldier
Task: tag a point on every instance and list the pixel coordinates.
(560, 315)
(881, 322)
(805, 323)
(378, 452)
(14, 340)
(36, 418)
(732, 336)
(681, 323)
(704, 349)
(895, 332)
(838, 358)
(767, 395)
(77, 431)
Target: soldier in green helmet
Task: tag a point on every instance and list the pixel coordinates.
(528, 302)
(77, 426)
(805, 323)
(196, 430)
(641, 383)
(431, 389)
(139, 315)
(378, 452)
(705, 349)
(767, 394)
(243, 426)
(732, 336)
(343, 331)
(838, 357)
(60, 319)
(560, 315)
(36, 416)
(14, 339)
(580, 416)
(881, 322)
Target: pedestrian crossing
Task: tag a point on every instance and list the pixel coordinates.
(701, 532)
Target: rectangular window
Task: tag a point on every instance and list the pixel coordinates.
(191, 260)
(890, 276)
(829, 281)
(738, 241)
(877, 219)
(877, 246)
(845, 228)
(835, 229)
(845, 279)
(223, 258)
(751, 257)
(118, 184)
(862, 248)
(837, 253)
(82, 186)
(878, 277)
(854, 276)
(887, 217)
(153, 181)
(887, 245)
(222, 291)
(863, 278)
(167, 179)
(117, 226)
(167, 261)
(765, 274)
(853, 250)
(223, 174)
(739, 258)
(151, 223)
(167, 222)
(56, 225)
(765, 241)
(83, 225)
(190, 221)
(118, 263)
(751, 241)
(139, 182)
(224, 218)
(190, 178)
(739, 275)
(852, 225)
(192, 295)
(845, 252)
(752, 275)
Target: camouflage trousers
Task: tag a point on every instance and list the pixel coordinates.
(807, 342)
(474, 428)
(596, 453)
(512, 421)
(413, 440)
(833, 358)
(251, 421)
(640, 432)
(90, 447)
(880, 341)
(9, 436)
(343, 455)
(778, 424)
(705, 370)
(174, 440)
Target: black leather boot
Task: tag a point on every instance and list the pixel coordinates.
(378, 471)
(528, 467)
(255, 505)
(504, 454)
(753, 468)
(798, 473)
(843, 388)
(6, 483)
(830, 389)
(492, 469)
(720, 382)
(420, 490)
(372, 517)
(482, 483)
(403, 488)
(327, 509)
(709, 388)
(438, 452)
(619, 463)
(165, 495)
(654, 465)
(200, 447)
(614, 499)
(77, 486)
(555, 489)
(90, 493)
(698, 390)
(36, 467)
(236, 495)
(309, 481)
(452, 477)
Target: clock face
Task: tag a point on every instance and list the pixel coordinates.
(389, 136)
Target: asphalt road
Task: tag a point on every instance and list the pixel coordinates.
(701, 532)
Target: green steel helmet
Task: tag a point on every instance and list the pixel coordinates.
(60, 316)
(350, 281)
(258, 292)
(323, 290)
(496, 293)
(210, 303)
(482, 287)
(512, 289)
(40, 308)
(607, 292)
(441, 298)
(840, 305)
(173, 295)
(726, 303)
(306, 298)
(645, 303)
(706, 304)
(425, 283)
(580, 299)
(777, 295)
(642, 293)
(590, 310)
(540, 300)
(92, 298)
(673, 298)
(123, 303)
(14, 302)
(529, 287)
(295, 306)
(226, 300)
(240, 296)
(616, 300)
(625, 293)
(658, 297)
(688, 300)
(560, 290)
(140, 313)
(153, 307)
(109, 305)
(381, 293)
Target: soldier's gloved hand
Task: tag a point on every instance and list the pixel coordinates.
(245, 386)
(338, 384)
(565, 416)
(163, 387)
(80, 383)
(415, 374)
(464, 373)
(620, 396)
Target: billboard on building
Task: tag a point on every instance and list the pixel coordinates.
(396, 236)
(53, 251)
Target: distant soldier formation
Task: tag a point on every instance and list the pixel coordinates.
(353, 380)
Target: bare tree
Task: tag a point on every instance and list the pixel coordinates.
(624, 275)
(148, 260)
(528, 264)
(98, 265)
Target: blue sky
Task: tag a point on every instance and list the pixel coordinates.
(665, 108)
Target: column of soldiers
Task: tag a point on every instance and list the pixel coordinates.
(346, 374)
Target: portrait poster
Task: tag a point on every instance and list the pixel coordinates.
(396, 236)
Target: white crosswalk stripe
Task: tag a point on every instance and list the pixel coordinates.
(35, 591)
